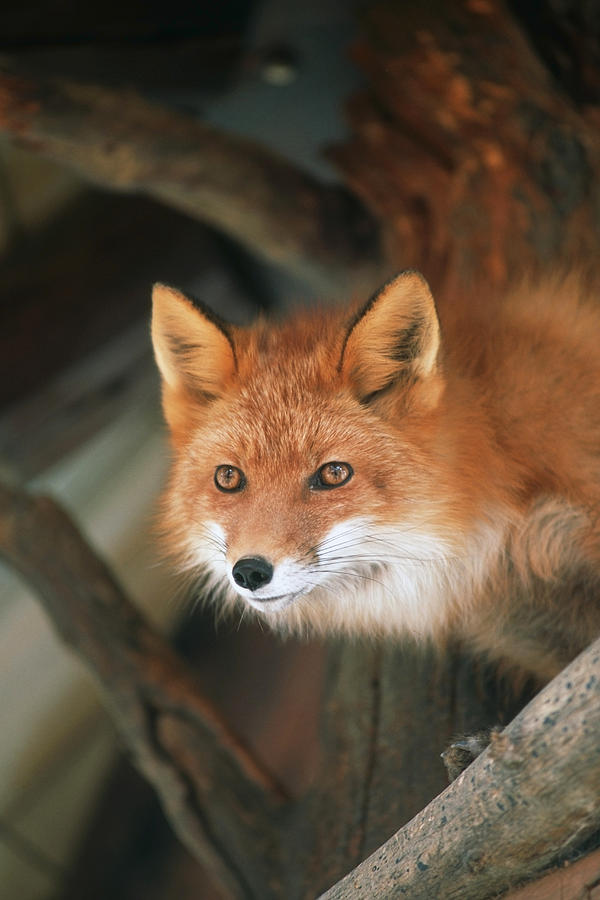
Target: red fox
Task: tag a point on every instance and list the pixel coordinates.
(372, 471)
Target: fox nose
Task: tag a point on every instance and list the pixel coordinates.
(252, 572)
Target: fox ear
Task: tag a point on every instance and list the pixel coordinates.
(394, 337)
(194, 352)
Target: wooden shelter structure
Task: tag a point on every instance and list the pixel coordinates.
(474, 155)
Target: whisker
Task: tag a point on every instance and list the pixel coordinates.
(242, 615)
(366, 536)
(388, 547)
(384, 560)
(362, 575)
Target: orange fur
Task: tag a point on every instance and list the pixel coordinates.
(473, 503)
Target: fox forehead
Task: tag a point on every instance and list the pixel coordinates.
(270, 426)
(309, 342)
(286, 393)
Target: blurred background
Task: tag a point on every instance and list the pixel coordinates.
(471, 154)
(80, 414)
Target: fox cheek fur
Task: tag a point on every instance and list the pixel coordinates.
(354, 472)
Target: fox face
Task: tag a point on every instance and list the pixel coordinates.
(308, 479)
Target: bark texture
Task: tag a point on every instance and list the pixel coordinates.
(466, 148)
(528, 799)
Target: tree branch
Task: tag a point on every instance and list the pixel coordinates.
(317, 232)
(528, 800)
(178, 740)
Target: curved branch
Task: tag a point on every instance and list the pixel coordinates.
(177, 738)
(529, 799)
(317, 232)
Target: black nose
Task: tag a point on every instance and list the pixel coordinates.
(252, 572)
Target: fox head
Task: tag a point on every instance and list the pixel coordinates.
(307, 478)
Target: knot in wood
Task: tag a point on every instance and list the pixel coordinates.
(503, 749)
(475, 860)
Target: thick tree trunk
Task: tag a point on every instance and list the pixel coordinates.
(466, 149)
(477, 166)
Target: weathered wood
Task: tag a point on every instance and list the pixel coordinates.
(476, 165)
(529, 799)
(178, 740)
(389, 711)
(319, 233)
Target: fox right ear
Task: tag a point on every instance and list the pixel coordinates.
(194, 351)
(394, 338)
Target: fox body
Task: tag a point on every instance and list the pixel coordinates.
(367, 471)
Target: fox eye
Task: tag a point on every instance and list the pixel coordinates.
(331, 475)
(229, 478)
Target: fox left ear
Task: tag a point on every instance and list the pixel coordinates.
(194, 352)
(192, 346)
(394, 337)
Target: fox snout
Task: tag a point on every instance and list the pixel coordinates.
(268, 585)
(252, 572)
